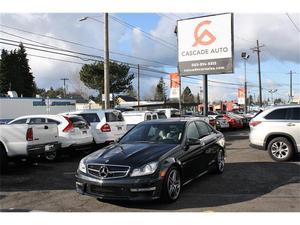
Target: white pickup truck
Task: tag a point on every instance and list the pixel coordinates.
(27, 140)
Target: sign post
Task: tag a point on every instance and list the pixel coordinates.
(205, 46)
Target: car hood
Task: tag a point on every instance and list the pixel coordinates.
(133, 154)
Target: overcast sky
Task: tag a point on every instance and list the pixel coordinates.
(280, 54)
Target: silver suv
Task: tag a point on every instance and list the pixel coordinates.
(277, 130)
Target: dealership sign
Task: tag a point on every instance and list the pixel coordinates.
(205, 45)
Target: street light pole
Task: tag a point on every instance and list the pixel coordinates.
(106, 63)
(245, 57)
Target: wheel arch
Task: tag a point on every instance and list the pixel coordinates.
(173, 162)
(279, 134)
(2, 144)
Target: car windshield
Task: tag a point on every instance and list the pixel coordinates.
(166, 133)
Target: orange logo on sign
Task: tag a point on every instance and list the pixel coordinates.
(199, 38)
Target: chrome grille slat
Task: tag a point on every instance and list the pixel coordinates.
(114, 171)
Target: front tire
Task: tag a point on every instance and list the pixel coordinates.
(220, 162)
(280, 149)
(171, 185)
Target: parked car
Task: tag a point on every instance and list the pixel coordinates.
(221, 123)
(170, 112)
(233, 121)
(240, 116)
(73, 131)
(277, 130)
(27, 140)
(161, 115)
(132, 118)
(107, 125)
(153, 160)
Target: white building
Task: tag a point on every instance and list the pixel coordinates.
(11, 108)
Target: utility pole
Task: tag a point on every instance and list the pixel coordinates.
(138, 94)
(106, 63)
(205, 95)
(245, 57)
(64, 87)
(291, 86)
(257, 49)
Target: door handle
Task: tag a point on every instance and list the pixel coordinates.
(291, 124)
(46, 127)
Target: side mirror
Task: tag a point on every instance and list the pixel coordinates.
(193, 141)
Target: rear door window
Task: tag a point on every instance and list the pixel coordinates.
(278, 114)
(114, 116)
(148, 117)
(154, 117)
(90, 117)
(293, 113)
(296, 114)
(21, 121)
(37, 121)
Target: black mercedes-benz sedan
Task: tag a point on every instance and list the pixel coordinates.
(152, 160)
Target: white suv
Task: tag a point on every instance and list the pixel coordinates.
(73, 131)
(107, 125)
(277, 130)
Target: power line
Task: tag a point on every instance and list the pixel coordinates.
(75, 43)
(164, 15)
(148, 35)
(292, 21)
(89, 59)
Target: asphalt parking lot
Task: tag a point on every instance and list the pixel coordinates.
(251, 182)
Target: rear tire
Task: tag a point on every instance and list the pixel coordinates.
(171, 185)
(280, 149)
(3, 159)
(53, 156)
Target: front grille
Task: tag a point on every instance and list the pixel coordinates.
(107, 171)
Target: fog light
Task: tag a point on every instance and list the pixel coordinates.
(79, 187)
(142, 189)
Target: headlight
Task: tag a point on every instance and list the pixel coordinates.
(147, 169)
(82, 166)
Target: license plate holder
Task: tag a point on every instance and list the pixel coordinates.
(49, 148)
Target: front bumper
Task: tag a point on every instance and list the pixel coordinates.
(127, 188)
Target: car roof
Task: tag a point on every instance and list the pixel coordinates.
(283, 106)
(36, 116)
(136, 112)
(93, 111)
(173, 120)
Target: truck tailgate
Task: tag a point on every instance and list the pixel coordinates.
(44, 133)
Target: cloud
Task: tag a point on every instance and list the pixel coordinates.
(275, 31)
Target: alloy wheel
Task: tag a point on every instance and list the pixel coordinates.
(174, 184)
(221, 160)
(279, 149)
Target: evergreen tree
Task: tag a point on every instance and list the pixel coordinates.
(187, 96)
(15, 73)
(160, 91)
(131, 92)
